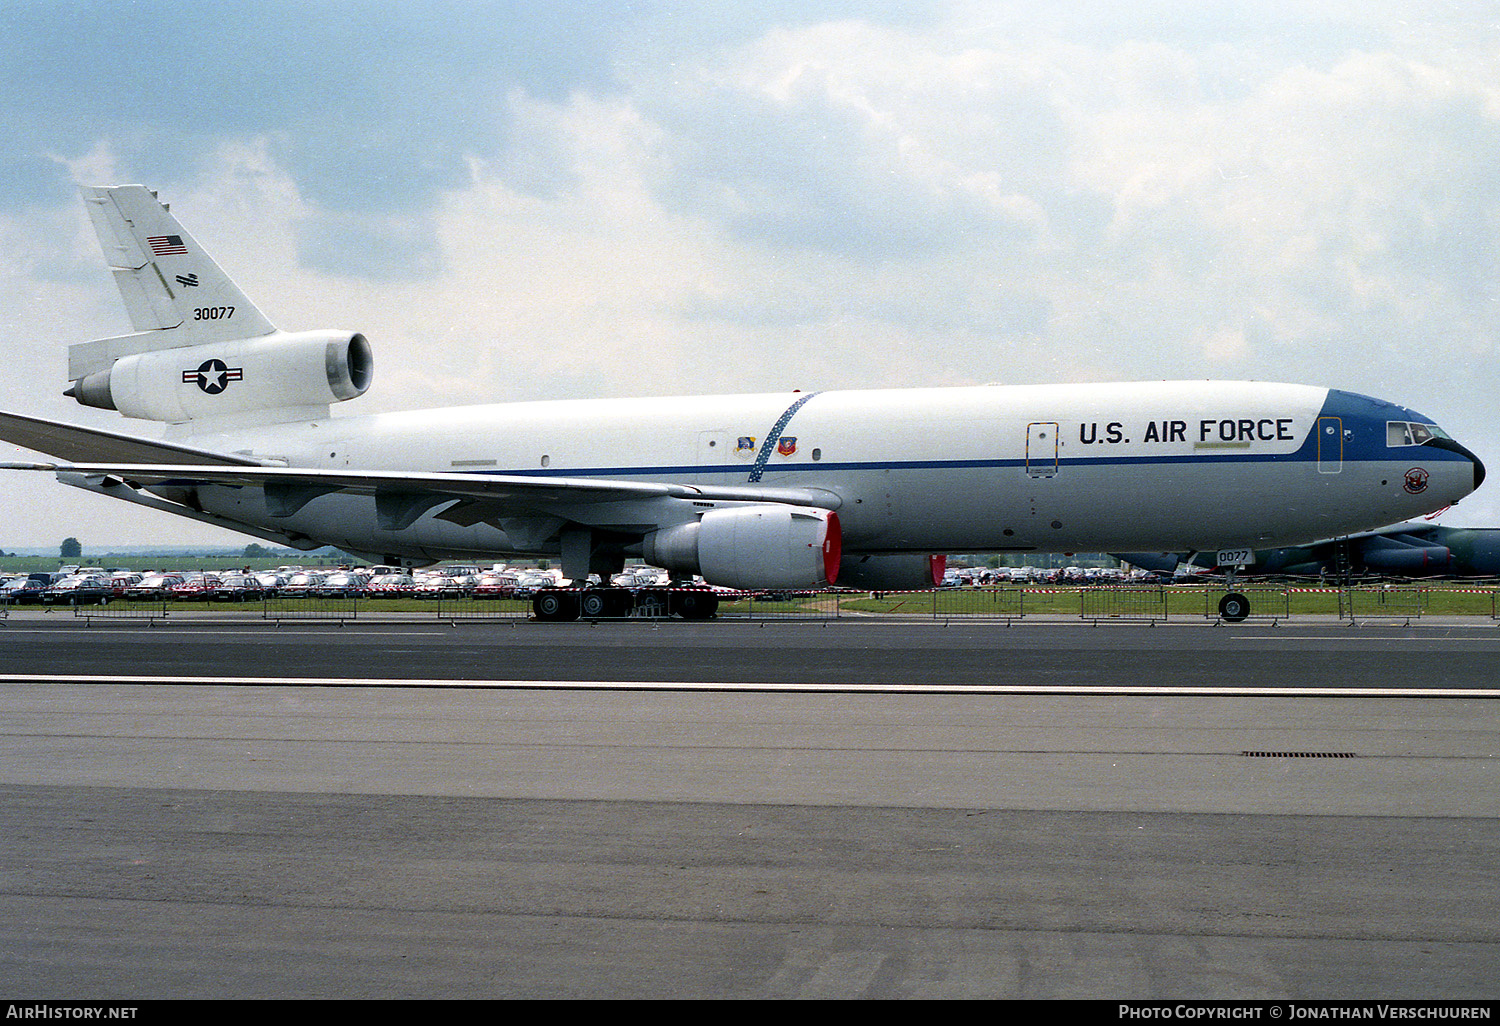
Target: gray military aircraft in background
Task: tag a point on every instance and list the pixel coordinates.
(1403, 550)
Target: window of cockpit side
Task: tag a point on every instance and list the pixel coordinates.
(1399, 433)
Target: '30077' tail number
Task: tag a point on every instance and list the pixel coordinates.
(213, 313)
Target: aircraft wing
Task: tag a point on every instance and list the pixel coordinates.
(456, 485)
(139, 462)
(517, 503)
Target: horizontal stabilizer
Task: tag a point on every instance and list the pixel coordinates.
(80, 444)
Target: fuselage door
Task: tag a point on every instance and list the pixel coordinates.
(1330, 445)
(1041, 449)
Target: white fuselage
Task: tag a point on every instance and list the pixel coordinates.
(1141, 466)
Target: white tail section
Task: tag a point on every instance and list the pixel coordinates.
(201, 349)
(174, 293)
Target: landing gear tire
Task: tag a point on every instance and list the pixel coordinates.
(597, 603)
(594, 604)
(695, 605)
(1234, 607)
(555, 606)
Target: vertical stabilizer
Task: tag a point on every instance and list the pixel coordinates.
(174, 293)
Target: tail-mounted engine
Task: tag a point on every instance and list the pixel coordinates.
(282, 370)
(201, 348)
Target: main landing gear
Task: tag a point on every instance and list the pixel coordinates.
(556, 605)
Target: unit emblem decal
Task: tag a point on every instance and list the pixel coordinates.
(786, 445)
(213, 375)
(1416, 480)
(745, 446)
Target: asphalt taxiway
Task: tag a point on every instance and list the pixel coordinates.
(735, 810)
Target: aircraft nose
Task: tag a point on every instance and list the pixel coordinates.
(1464, 451)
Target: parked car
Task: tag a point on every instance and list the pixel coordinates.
(436, 586)
(495, 585)
(533, 581)
(396, 585)
(239, 588)
(271, 582)
(79, 590)
(341, 584)
(121, 583)
(22, 591)
(194, 588)
(153, 587)
(300, 584)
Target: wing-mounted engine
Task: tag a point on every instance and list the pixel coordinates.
(283, 370)
(762, 546)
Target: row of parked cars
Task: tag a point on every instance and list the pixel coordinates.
(97, 586)
(979, 577)
(100, 587)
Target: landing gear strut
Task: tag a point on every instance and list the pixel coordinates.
(1233, 607)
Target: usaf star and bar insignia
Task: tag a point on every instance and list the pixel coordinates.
(213, 376)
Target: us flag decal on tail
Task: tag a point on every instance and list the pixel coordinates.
(167, 245)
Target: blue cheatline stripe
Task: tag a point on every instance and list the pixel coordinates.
(769, 444)
(1288, 459)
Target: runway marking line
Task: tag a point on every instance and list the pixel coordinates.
(803, 687)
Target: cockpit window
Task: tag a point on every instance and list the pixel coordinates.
(1398, 433)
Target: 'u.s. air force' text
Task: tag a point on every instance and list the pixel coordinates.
(1227, 429)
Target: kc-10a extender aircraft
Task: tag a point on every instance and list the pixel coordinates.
(774, 491)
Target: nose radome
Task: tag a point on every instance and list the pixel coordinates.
(1463, 450)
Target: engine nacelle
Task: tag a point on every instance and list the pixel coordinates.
(276, 371)
(764, 546)
(1393, 557)
(901, 572)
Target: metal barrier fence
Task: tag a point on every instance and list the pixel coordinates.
(1151, 604)
(1136, 603)
(1381, 603)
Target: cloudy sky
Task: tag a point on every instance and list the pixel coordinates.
(520, 200)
